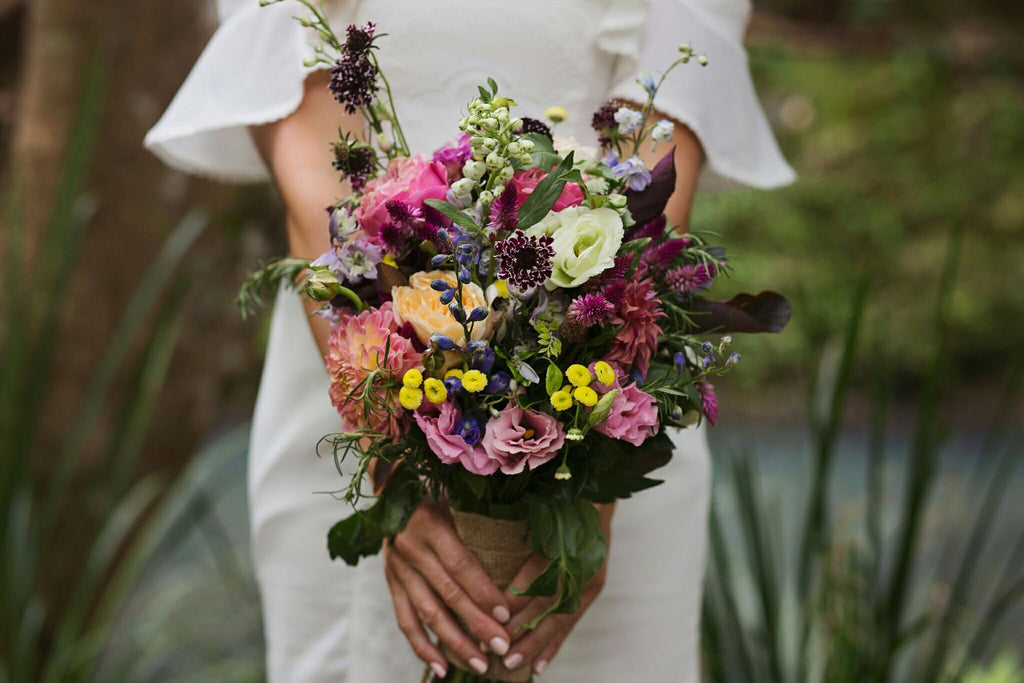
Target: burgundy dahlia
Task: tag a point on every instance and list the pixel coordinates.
(523, 260)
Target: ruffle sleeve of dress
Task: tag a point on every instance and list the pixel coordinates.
(251, 72)
(719, 102)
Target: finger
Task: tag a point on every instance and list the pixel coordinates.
(546, 655)
(536, 607)
(479, 624)
(413, 629)
(432, 612)
(530, 571)
(463, 566)
(550, 632)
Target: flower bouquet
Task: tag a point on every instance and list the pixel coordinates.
(514, 323)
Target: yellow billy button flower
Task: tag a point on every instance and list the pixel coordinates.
(578, 375)
(389, 259)
(454, 372)
(561, 400)
(435, 390)
(556, 114)
(586, 396)
(474, 381)
(412, 378)
(410, 398)
(502, 288)
(604, 372)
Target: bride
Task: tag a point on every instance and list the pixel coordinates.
(250, 111)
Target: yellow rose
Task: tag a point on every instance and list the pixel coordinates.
(421, 307)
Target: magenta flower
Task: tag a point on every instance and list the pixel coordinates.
(590, 309)
(526, 181)
(634, 414)
(689, 278)
(454, 154)
(354, 77)
(708, 400)
(661, 255)
(442, 432)
(523, 260)
(519, 439)
(637, 339)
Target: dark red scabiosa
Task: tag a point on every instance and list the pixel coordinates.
(523, 260)
(604, 122)
(505, 210)
(708, 400)
(355, 161)
(590, 309)
(354, 77)
(536, 126)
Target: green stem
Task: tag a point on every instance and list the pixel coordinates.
(354, 298)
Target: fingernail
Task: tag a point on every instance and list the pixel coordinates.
(499, 645)
(439, 669)
(479, 665)
(538, 667)
(513, 660)
(501, 614)
(483, 647)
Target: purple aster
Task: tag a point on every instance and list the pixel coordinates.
(357, 162)
(523, 260)
(504, 210)
(687, 279)
(590, 309)
(536, 126)
(708, 400)
(354, 77)
(633, 170)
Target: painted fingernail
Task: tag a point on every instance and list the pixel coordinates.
(499, 645)
(501, 614)
(513, 660)
(439, 669)
(479, 665)
(539, 666)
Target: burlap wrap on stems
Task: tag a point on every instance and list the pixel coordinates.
(502, 546)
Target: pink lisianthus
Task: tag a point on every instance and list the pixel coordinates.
(518, 438)
(356, 346)
(439, 426)
(408, 179)
(525, 181)
(453, 155)
(634, 414)
(637, 339)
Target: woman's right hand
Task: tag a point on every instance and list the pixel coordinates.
(432, 575)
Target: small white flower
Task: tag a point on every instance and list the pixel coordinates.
(662, 131)
(582, 152)
(628, 120)
(474, 170)
(462, 188)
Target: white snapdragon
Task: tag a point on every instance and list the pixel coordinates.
(662, 131)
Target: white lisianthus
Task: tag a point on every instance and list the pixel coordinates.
(583, 152)
(662, 131)
(585, 243)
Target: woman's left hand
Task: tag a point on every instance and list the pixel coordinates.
(542, 643)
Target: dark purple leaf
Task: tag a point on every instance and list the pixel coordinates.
(389, 277)
(764, 312)
(649, 203)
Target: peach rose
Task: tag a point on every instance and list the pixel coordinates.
(421, 307)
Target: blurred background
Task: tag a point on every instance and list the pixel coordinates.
(867, 522)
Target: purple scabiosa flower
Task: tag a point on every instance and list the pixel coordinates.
(633, 170)
(688, 278)
(356, 161)
(604, 123)
(523, 260)
(708, 400)
(505, 210)
(536, 126)
(354, 77)
(590, 309)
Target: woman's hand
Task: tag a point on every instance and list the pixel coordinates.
(432, 575)
(541, 644)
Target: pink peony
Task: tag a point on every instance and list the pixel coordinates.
(634, 414)
(356, 346)
(440, 430)
(525, 181)
(408, 179)
(520, 438)
(637, 339)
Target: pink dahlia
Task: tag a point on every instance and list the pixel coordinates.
(356, 347)
(441, 427)
(637, 339)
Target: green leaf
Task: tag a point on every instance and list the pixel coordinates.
(493, 84)
(454, 214)
(544, 155)
(554, 380)
(544, 195)
(484, 95)
(358, 535)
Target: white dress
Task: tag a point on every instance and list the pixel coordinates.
(325, 621)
